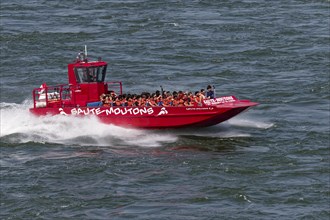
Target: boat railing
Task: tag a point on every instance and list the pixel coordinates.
(51, 95)
(62, 95)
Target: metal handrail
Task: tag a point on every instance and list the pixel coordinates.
(59, 92)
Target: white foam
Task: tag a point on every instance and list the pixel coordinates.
(244, 121)
(16, 119)
(230, 128)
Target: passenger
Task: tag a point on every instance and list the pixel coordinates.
(169, 100)
(188, 102)
(181, 103)
(123, 102)
(198, 98)
(180, 95)
(142, 101)
(185, 96)
(210, 92)
(102, 98)
(129, 101)
(171, 103)
(117, 101)
(150, 102)
(192, 98)
(166, 101)
(193, 102)
(175, 101)
(134, 100)
(202, 94)
(137, 100)
(108, 101)
(160, 101)
(113, 94)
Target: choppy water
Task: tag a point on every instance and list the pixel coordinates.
(271, 162)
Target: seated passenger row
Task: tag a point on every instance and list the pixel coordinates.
(158, 98)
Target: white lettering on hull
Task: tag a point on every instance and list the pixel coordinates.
(110, 111)
(219, 100)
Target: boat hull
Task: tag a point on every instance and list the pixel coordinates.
(86, 94)
(154, 117)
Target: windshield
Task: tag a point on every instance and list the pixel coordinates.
(90, 74)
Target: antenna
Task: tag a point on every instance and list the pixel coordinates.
(86, 50)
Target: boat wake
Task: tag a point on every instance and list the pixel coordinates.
(18, 125)
(242, 121)
(233, 128)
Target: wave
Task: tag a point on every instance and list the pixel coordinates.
(18, 125)
(242, 121)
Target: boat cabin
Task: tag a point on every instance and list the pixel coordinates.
(86, 83)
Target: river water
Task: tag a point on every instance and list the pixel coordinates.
(271, 162)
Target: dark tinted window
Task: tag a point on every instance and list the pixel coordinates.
(90, 74)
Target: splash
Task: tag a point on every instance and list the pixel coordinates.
(18, 125)
(243, 121)
(229, 129)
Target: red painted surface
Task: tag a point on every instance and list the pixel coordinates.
(86, 84)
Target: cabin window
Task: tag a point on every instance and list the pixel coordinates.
(90, 74)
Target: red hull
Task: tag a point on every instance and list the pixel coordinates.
(156, 117)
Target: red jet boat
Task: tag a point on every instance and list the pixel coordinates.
(81, 97)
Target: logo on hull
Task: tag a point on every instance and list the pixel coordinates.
(163, 111)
